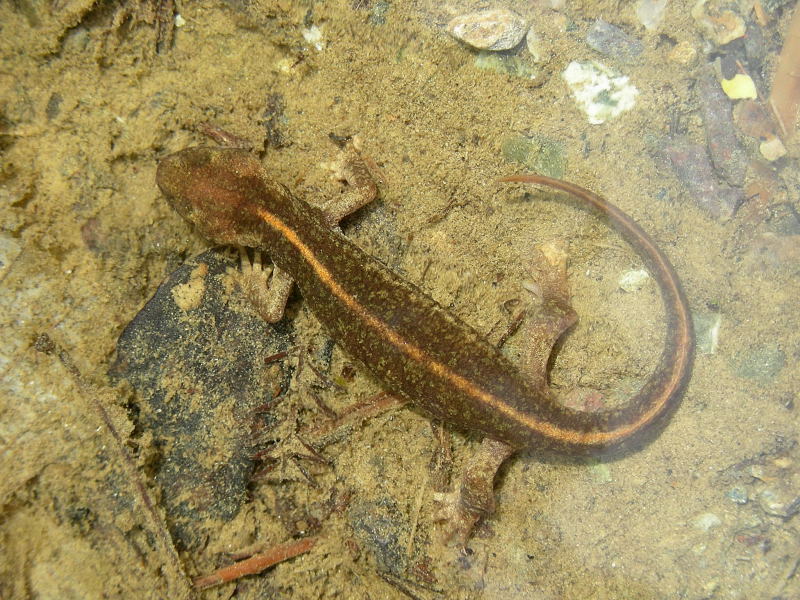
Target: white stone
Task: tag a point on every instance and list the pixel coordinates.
(600, 92)
(633, 281)
(313, 35)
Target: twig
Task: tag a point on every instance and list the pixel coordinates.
(329, 431)
(256, 563)
(785, 96)
(177, 582)
(224, 138)
(787, 575)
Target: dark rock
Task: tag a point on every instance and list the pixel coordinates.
(196, 356)
(727, 154)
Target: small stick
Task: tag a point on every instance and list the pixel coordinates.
(761, 16)
(256, 563)
(324, 434)
(785, 95)
(512, 328)
(329, 412)
(176, 579)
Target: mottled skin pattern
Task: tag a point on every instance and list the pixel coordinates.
(417, 349)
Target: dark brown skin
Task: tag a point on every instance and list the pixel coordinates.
(417, 349)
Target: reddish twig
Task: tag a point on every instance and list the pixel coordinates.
(224, 138)
(256, 563)
(328, 432)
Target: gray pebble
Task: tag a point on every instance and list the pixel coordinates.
(610, 40)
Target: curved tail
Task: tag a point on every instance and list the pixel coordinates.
(661, 393)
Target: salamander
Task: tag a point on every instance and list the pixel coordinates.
(418, 350)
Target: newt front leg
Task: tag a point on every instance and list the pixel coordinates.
(269, 290)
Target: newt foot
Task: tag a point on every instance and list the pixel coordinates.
(266, 288)
(473, 497)
(354, 169)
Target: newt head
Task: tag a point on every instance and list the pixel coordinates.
(215, 189)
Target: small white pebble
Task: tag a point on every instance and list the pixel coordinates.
(651, 13)
(772, 149)
(313, 35)
(599, 91)
(532, 287)
(707, 521)
(633, 281)
(536, 47)
(9, 251)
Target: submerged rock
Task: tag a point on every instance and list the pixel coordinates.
(693, 167)
(610, 40)
(197, 356)
(496, 29)
(510, 65)
(717, 21)
(537, 153)
(727, 154)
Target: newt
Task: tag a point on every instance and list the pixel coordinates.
(415, 348)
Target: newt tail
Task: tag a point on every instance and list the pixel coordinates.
(650, 408)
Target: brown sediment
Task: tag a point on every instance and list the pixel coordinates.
(785, 96)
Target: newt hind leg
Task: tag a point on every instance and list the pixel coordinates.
(547, 322)
(358, 172)
(473, 496)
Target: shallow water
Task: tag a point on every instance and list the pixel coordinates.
(708, 510)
